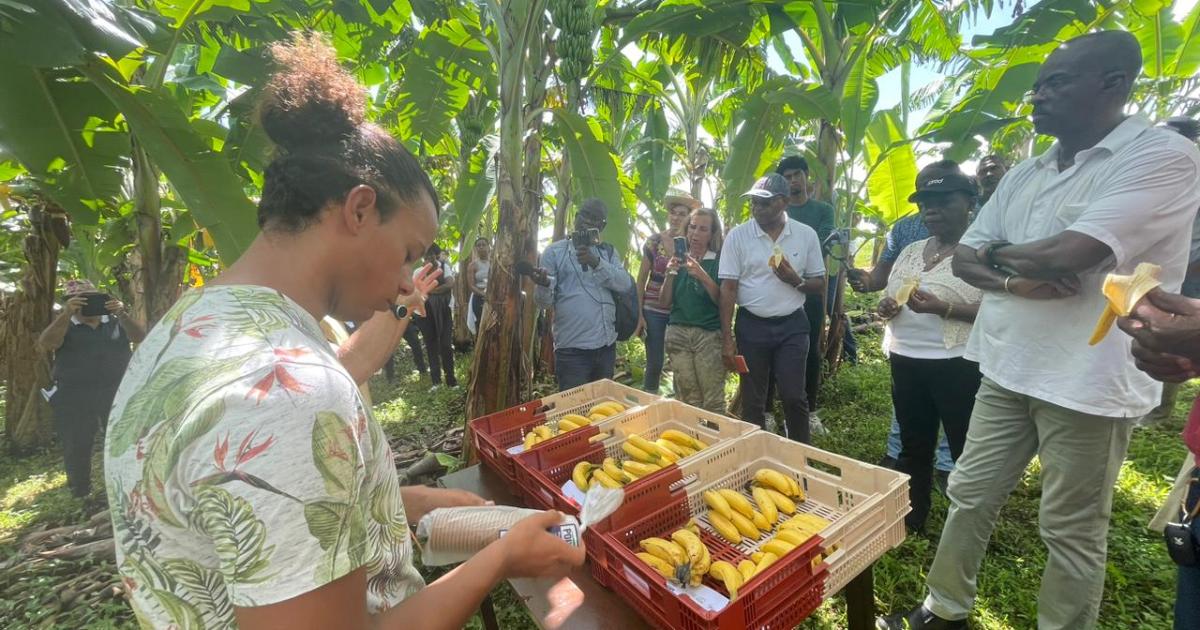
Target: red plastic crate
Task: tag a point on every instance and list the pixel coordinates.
(780, 597)
(540, 473)
(494, 434)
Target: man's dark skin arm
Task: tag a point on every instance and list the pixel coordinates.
(876, 279)
(1064, 254)
(968, 267)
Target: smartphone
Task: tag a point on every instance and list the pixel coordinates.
(681, 248)
(739, 362)
(95, 305)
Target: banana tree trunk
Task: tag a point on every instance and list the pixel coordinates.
(24, 315)
(499, 372)
(151, 278)
(462, 296)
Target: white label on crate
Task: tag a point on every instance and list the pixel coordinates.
(520, 448)
(634, 579)
(573, 492)
(705, 597)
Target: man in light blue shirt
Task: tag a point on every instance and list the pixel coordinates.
(578, 277)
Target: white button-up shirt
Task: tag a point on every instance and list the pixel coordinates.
(746, 255)
(1137, 192)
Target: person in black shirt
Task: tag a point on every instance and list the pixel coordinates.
(90, 356)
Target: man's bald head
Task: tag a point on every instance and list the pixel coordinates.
(1085, 84)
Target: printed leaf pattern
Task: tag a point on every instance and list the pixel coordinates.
(197, 463)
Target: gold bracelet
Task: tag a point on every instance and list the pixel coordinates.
(949, 310)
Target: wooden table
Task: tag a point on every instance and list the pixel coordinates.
(577, 602)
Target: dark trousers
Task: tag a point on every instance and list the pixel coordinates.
(78, 416)
(574, 366)
(926, 393)
(413, 336)
(1187, 588)
(779, 345)
(812, 367)
(437, 328)
(477, 308)
(656, 338)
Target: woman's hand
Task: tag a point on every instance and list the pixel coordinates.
(531, 551)
(673, 266)
(923, 301)
(888, 307)
(74, 304)
(694, 269)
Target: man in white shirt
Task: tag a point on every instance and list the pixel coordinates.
(1111, 193)
(768, 264)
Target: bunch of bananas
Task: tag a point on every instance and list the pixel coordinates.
(669, 448)
(610, 473)
(683, 559)
(605, 410)
(577, 25)
(735, 517)
(538, 435)
(573, 421)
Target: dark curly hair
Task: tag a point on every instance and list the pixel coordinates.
(314, 111)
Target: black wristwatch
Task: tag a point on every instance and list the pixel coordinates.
(989, 252)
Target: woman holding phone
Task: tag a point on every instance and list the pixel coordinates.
(693, 335)
(655, 255)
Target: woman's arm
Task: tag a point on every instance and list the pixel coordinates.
(962, 312)
(666, 295)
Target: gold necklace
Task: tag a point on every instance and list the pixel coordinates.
(940, 253)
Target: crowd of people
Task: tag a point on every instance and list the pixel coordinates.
(988, 294)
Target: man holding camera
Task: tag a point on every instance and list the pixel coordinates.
(90, 341)
(579, 278)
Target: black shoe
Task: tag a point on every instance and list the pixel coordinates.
(941, 480)
(918, 618)
(887, 462)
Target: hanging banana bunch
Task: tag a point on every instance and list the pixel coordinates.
(577, 24)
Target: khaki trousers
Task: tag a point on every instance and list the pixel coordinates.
(694, 355)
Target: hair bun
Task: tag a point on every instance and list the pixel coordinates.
(310, 101)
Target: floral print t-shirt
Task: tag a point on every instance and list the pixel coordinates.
(244, 469)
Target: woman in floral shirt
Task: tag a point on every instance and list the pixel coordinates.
(249, 484)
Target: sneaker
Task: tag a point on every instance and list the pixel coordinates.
(941, 480)
(814, 425)
(919, 618)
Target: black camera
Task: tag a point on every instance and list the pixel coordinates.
(95, 305)
(588, 237)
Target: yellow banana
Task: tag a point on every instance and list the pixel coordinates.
(599, 437)
(728, 574)
(681, 438)
(565, 425)
(778, 546)
(746, 568)
(810, 523)
(597, 417)
(605, 480)
(773, 479)
(677, 450)
(757, 556)
(577, 419)
(907, 288)
(797, 491)
(666, 550)
(692, 526)
(717, 503)
(700, 444)
(760, 521)
(660, 566)
(745, 526)
(543, 432)
(581, 475)
(650, 447)
(638, 469)
(531, 439)
(767, 560)
(612, 470)
(792, 536)
(725, 528)
(765, 504)
(608, 409)
(694, 549)
(639, 454)
(782, 503)
(738, 502)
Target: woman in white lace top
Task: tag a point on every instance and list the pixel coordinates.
(929, 313)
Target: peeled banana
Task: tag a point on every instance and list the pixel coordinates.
(776, 257)
(1123, 293)
(907, 288)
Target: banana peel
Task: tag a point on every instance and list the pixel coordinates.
(1122, 293)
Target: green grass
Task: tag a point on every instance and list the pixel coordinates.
(855, 408)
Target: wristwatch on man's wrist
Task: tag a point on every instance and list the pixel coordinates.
(989, 252)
